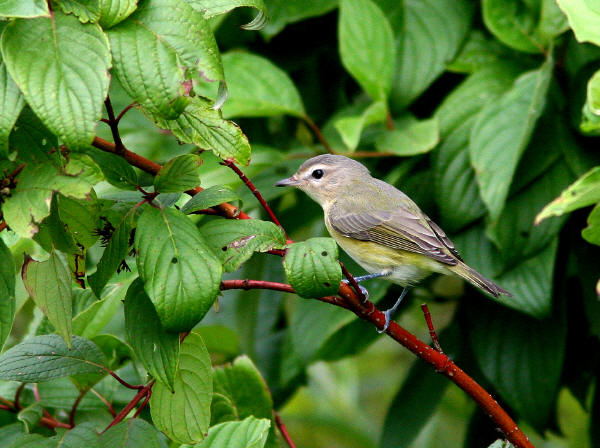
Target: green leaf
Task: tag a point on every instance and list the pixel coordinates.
(7, 292)
(84, 10)
(367, 46)
(89, 322)
(49, 285)
(157, 349)
(30, 416)
(312, 267)
(210, 197)
(511, 359)
(584, 192)
(113, 12)
(190, 403)
(257, 88)
(590, 119)
(583, 17)
(478, 52)
(32, 441)
(501, 133)
(409, 136)
(81, 216)
(11, 104)
(248, 433)
(83, 435)
(181, 274)
(63, 74)
(132, 433)
(24, 8)
(116, 170)
(113, 255)
(204, 127)
(234, 241)
(351, 127)
(501, 443)
(282, 12)
(178, 174)
(592, 232)
(44, 358)
(432, 33)
(212, 8)
(116, 352)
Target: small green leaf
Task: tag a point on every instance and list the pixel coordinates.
(409, 136)
(502, 132)
(116, 170)
(584, 192)
(430, 34)
(204, 127)
(514, 23)
(81, 216)
(84, 10)
(501, 443)
(7, 292)
(83, 435)
(24, 8)
(583, 17)
(181, 274)
(192, 397)
(157, 349)
(210, 197)
(32, 441)
(113, 12)
(11, 104)
(282, 12)
(178, 174)
(113, 255)
(89, 322)
(63, 74)
(234, 241)
(132, 433)
(367, 46)
(44, 358)
(351, 127)
(116, 352)
(478, 52)
(31, 415)
(248, 433)
(257, 88)
(592, 232)
(49, 285)
(312, 267)
(212, 8)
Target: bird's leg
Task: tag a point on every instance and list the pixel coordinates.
(369, 277)
(388, 313)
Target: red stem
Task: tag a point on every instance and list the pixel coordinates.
(106, 402)
(74, 408)
(283, 430)
(432, 333)
(114, 126)
(353, 283)
(124, 111)
(318, 133)
(134, 401)
(122, 381)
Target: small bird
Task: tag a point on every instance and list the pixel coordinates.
(380, 227)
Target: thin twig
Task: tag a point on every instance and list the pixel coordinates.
(353, 283)
(389, 121)
(124, 111)
(127, 409)
(17, 403)
(432, 333)
(283, 430)
(122, 381)
(3, 226)
(105, 401)
(318, 133)
(256, 284)
(74, 407)
(114, 126)
(7, 402)
(144, 403)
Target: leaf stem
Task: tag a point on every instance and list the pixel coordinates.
(127, 409)
(432, 333)
(318, 133)
(283, 430)
(74, 408)
(114, 126)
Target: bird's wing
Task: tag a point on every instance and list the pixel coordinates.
(401, 228)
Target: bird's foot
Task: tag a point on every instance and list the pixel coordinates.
(388, 313)
(363, 290)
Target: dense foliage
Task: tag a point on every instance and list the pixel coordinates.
(120, 189)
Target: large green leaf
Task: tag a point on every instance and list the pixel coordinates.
(350, 127)
(234, 241)
(181, 274)
(7, 292)
(83, 435)
(115, 11)
(584, 192)
(32, 441)
(178, 174)
(282, 12)
(432, 33)
(210, 197)
(30, 416)
(11, 103)
(502, 132)
(157, 349)
(212, 8)
(61, 66)
(522, 357)
(583, 16)
(257, 88)
(24, 8)
(90, 321)
(312, 268)
(44, 358)
(367, 46)
(49, 285)
(248, 433)
(409, 136)
(84, 10)
(184, 415)
(116, 170)
(204, 127)
(132, 433)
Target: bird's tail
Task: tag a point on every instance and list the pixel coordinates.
(476, 279)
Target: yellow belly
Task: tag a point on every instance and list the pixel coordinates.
(407, 268)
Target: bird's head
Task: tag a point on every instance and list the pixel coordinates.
(324, 177)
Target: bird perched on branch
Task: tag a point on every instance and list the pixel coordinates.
(380, 227)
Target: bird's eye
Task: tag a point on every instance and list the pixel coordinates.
(317, 174)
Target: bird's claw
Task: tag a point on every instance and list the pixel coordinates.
(388, 319)
(363, 290)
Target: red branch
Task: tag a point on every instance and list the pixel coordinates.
(283, 430)
(432, 333)
(143, 392)
(365, 310)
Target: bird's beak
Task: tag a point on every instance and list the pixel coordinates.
(289, 182)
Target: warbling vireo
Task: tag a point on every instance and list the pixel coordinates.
(380, 227)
